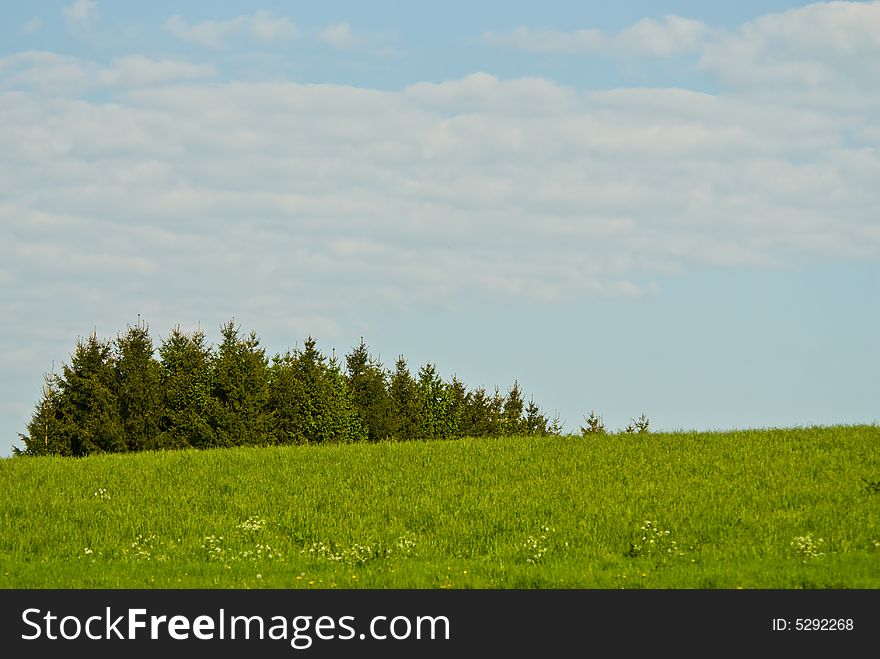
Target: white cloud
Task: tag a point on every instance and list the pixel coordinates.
(44, 71)
(338, 35)
(340, 198)
(262, 26)
(81, 14)
(836, 43)
(33, 26)
(52, 73)
(266, 27)
(671, 36)
(138, 71)
(544, 40)
(822, 44)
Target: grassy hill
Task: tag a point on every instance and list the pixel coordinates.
(781, 508)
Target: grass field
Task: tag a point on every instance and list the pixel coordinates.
(786, 508)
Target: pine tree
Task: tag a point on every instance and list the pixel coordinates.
(240, 387)
(482, 413)
(512, 411)
(456, 397)
(368, 383)
(310, 399)
(496, 414)
(535, 422)
(87, 400)
(402, 390)
(46, 432)
(137, 388)
(187, 403)
(437, 421)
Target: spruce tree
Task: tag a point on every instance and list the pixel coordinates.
(46, 432)
(512, 411)
(402, 390)
(368, 383)
(137, 388)
(495, 414)
(535, 422)
(88, 402)
(188, 406)
(456, 397)
(434, 408)
(240, 387)
(310, 399)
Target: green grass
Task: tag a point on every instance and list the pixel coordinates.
(727, 510)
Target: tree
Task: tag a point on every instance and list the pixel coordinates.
(368, 383)
(433, 405)
(88, 403)
(310, 399)
(535, 423)
(595, 425)
(482, 413)
(639, 425)
(240, 387)
(456, 406)
(512, 411)
(46, 432)
(138, 388)
(403, 395)
(187, 403)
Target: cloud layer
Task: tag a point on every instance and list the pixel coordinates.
(262, 26)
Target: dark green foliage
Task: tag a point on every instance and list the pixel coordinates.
(311, 400)
(512, 422)
(456, 406)
(369, 387)
(138, 388)
(482, 413)
(186, 380)
(535, 423)
(403, 395)
(639, 425)
(122, 396)
(595, 425)
(88, 404)
(240, 387)
(436, 412)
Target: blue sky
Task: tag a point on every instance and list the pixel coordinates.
(659, 207)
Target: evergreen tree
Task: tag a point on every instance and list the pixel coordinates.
(402, 390)
(437, 421)
(495, 414)
(535, 422)
(368, 383)
(118, 397)
(240, 387)
(310, 399)
(475, 415)
(187, 409)
(137, 388)
(87, 401)
(512, 411)
(456, 407)
(46, 432)
(483, 413)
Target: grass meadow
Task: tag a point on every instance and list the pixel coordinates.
(780, 508)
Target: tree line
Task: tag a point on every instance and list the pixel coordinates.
(125, 395)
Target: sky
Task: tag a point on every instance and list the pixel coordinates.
(668, 208)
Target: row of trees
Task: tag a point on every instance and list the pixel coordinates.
(126, 395)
